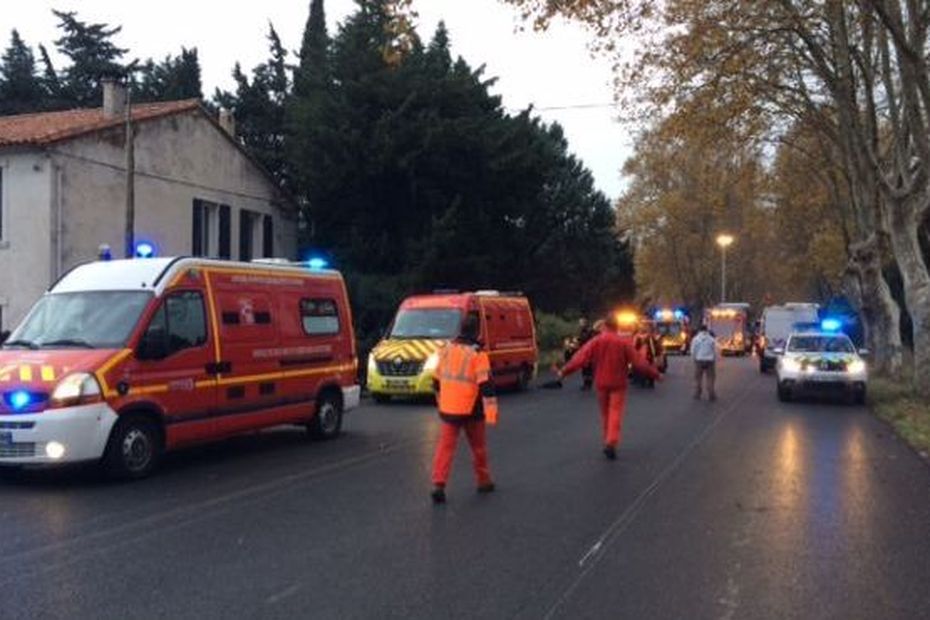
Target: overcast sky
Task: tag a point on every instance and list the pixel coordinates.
(549, 70)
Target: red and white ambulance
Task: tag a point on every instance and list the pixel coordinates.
(122, 360)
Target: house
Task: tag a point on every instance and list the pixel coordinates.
(63, 192)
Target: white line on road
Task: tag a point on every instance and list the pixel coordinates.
(596, 551)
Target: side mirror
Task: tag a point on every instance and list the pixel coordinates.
(864, 352)
(153, 346)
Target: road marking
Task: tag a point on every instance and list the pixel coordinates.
(283, 594)
(596, 552)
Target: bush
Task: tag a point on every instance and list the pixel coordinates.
(552, 330)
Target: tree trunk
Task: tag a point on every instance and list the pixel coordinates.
(880, 312)
(905, 242)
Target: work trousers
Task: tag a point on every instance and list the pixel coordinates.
(613, 406)
(705, 371)
(445, 450)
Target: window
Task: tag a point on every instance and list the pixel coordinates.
(246, 234)
(319, 316)
(211, 230)
(225, 250)
(180, 323)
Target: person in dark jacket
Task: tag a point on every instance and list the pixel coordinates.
(612, 355)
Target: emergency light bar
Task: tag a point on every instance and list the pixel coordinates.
(831, 324)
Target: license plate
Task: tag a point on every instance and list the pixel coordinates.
(399, 385)
(6, 439)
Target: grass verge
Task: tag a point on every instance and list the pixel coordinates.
(898, 404)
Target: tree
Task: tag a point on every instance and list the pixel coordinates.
(174, 78)
(20, 88)
(93, 55)
(258, 105)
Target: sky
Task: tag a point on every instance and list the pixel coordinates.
(549, 70)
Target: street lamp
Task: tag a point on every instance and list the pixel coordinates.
(724, 241)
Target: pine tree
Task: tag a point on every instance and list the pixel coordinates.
(93, 55)
(172, 79)
(20, 88)
(312, 74)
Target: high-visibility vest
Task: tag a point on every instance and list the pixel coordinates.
(460, 372)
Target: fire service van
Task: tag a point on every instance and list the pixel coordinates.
(403, 363)
(123, 360)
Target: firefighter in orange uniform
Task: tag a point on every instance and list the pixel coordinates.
(612, 355)
(466, 402)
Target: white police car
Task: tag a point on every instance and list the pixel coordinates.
(823, 361)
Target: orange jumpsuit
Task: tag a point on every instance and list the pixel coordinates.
(466, 402)
(612, 355)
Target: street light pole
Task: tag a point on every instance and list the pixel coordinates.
(724, 241)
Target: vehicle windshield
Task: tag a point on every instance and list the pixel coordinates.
(427, 323)
(93, 320)
(669, 329)
(820, 344)
(725, 327)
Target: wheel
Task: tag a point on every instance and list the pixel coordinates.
(327, 423)
(784, 393)
(380, 398)
(763, 367)
(523, 380)
(134, 448)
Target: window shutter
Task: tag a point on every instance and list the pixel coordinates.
(268, 237)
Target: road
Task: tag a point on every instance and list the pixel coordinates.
(745, 508)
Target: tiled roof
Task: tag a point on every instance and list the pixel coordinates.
(48, 127)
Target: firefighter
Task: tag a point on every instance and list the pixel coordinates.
(466, 401)
(585, 334)
(612, 354)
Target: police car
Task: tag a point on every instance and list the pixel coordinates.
(821, 361)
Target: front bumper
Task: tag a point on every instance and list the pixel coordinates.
(82, 430)
(824, 382)
(414, 385)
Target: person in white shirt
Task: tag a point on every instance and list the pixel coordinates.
(704, 354)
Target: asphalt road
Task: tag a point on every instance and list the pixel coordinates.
(745, 508)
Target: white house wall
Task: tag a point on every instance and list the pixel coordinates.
(177, 159)
(26, 247)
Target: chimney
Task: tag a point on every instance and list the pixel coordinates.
(114, 97)
(228, 122)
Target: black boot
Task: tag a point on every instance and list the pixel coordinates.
(439, 494)
(488, 487)
(610, 452)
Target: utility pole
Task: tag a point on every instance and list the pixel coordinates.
(130, 176)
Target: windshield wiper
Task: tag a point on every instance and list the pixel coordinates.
(21, 343)
(68, 342)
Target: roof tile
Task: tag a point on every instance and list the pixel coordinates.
(43, 128)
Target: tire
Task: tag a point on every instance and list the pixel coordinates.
(763, 365)
(327, 421)
(784, 393)
(381, 399)
(860, 396)
(134, 449)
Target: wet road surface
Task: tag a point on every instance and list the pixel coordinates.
(745, 508)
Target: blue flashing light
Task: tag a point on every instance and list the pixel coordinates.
(19, 400)
(317, 263)
(144, 249)
(679, 314)
(658, 315)
(831, 325)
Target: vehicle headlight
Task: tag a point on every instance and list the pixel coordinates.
(431, 362)
(790, 365)
(79, 388)
(855, 367)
